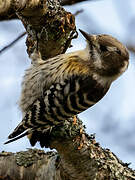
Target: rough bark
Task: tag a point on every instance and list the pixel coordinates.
(8, 7)
(46, 22)
(78, 155)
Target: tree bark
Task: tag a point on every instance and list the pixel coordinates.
(8, 7)
(78, 155)
(46, 22)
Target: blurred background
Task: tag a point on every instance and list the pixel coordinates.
(113, 118)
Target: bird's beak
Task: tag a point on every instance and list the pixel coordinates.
(88, 36)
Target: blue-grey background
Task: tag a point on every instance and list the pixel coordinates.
(113, 118)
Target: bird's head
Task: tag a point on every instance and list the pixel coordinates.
(108, 56)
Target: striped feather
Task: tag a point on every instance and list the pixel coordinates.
(60, 102)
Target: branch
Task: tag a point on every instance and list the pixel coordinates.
(46, 23)
(9, 7)
(13, 42)
(131, 48)
(79, 157)
(71, 2)
(7, 10)
(26, 165)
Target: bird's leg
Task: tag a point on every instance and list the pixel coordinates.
(82, 139)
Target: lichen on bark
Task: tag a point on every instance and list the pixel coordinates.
(52, 26)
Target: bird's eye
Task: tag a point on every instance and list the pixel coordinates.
(103, 48)
(118, 51)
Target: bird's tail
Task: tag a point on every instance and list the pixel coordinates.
(18, 137)
(34, 134)
(18, 132)
(34, 125)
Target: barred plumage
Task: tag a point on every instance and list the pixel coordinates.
(63, 86)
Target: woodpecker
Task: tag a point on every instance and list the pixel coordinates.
(63, 86)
